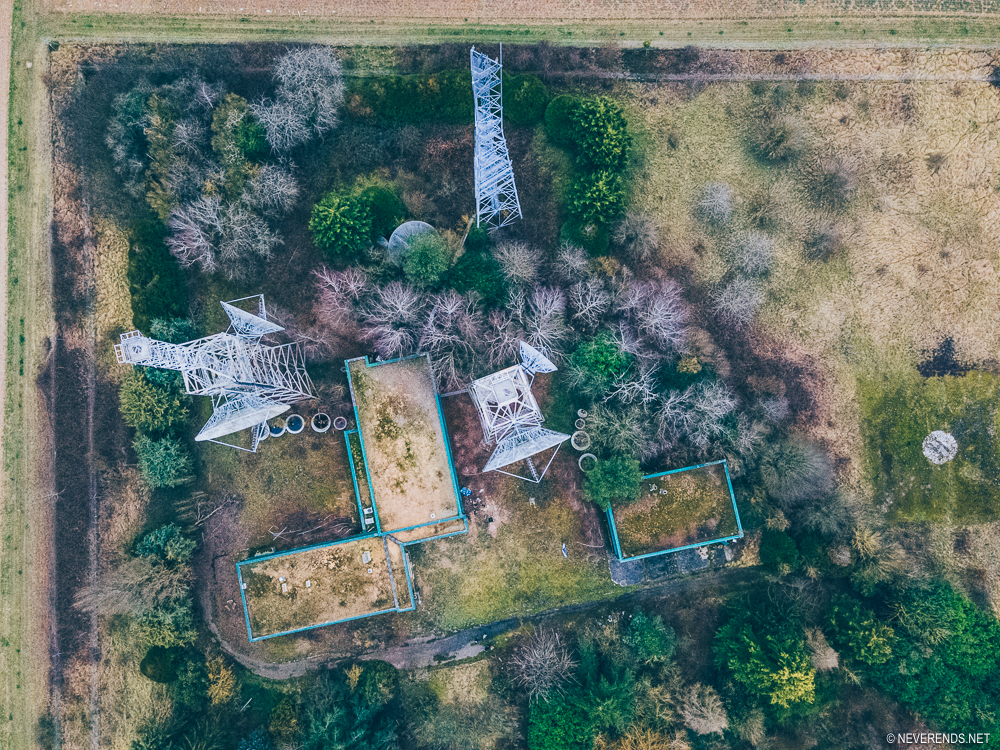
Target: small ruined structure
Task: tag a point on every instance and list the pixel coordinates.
(496, 194)
(940, 447)
(248, 381)
(511, 417)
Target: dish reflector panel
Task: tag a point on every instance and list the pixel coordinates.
(534, 361)
(523, 444)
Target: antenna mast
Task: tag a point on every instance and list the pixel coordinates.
(496, 194)
(248, 381)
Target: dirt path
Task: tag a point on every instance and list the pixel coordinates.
(420, 652)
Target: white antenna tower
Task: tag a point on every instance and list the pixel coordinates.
(511, 418)
(496, 194)
(249, 381)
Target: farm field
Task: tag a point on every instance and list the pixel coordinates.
(824, 220)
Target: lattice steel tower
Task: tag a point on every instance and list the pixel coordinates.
(248, 381)
(496, 194)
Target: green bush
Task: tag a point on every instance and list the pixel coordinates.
(858, 634)
(385, 210)
(150, 408)
(159, 664)
(160, 121)
(943, 662)
(617, 479)
(649, 639)
(234, 126)
(524, 99)
(596, 199)
(559, 724)
(763, 649)
(167, 543)
(778, 553)
(164, 462)
(169, 625)
(173, 330)
(559, 119)
(598, 362)
(478, 271)
(156, 280)
(341, 225)
(478, 239)
(427, 258)
(434, 97)
(600, 134)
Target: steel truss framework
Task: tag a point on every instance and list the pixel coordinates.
(496, 194)
(511, 417)
(249, 381)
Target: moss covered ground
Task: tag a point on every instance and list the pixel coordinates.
(899, 411)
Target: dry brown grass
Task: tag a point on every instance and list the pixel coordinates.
(920, 236)
(400, 425)
(123, 505)
(518, 9)
(340, 586)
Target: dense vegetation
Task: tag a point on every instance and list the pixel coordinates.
(294, 186)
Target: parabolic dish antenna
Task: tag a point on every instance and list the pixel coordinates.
(402, 237)
(534, 361)
(523, 444)
(240, 412)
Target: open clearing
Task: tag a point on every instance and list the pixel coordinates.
(675, 510)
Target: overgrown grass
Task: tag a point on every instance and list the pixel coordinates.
(521, 571)
(899, 411)
(677, 509)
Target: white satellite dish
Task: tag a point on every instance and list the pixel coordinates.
(238, 413)
(534, 361)
(248, 324)
(522, 445)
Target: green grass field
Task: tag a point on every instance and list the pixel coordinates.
(899, 411)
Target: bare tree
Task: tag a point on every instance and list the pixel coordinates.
(137, 587)
(750, 435)
(637, 236)
(636, 385)
(193, 227)
(543, 665)
(518, 261)
(545, 320)
(753, 253)
(628, 430)
(452, 335)
(310, 91)
(273, 191)
(571, 262)
(716, 204)
(737, 304)
(393, 317)
(824, 658)
(775, 409)
(657, 311)
(703, 711)
(589, 301)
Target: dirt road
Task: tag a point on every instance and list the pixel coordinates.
(419, 652)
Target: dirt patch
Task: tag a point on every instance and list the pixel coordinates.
(400, 426)
(317, 586)
(675, 510)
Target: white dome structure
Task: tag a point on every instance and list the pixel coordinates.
(402, 237)
(940, 447)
